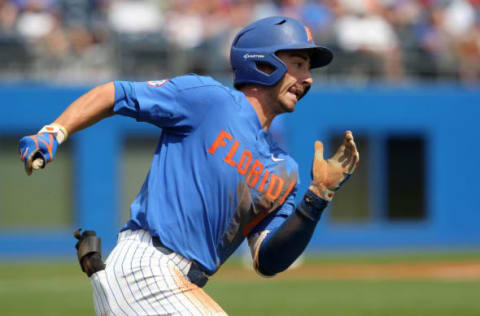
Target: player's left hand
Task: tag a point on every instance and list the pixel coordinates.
(329, 175)
(37, 150)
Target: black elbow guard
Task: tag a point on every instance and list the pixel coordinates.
(261, 270)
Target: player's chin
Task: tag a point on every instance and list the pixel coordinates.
(290, 109)
(287, 102)
(289, 105)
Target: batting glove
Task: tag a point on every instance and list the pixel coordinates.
(329, 175)
(38, 150)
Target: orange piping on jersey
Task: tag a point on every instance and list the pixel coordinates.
(248, 228)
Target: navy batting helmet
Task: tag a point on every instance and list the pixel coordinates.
(258, 42)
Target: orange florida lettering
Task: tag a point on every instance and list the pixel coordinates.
(264, 180)
(220, 141)
(231, 153)
(255, 172)
(255, 169)
(290, 188)
(275, 187)
(244, 162)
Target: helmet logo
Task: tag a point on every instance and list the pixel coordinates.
(247, 56)
(309, 34)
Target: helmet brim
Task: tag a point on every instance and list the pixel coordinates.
(320, 56)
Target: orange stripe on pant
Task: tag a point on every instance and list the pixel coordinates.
(196, 294)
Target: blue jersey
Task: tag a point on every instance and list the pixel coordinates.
(216, 177)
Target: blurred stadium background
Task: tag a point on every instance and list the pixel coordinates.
(402, 238)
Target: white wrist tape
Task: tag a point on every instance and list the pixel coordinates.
(328, 194)
(57, 130)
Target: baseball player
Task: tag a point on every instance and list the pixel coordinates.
(217, 175)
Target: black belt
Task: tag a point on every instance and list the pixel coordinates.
(196, 275)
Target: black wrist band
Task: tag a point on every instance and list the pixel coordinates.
(312, 206)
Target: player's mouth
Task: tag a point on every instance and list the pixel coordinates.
(296, 92)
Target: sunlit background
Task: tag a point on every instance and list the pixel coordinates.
(74, 41)
(402, 237)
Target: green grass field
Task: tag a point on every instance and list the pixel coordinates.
(62, 289)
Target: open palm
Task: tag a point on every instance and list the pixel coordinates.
(329, 175)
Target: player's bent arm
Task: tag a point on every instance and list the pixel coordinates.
(88, 109)
(38, 150)
(278, 249)
(281, 247)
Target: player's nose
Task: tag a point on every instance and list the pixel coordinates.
(307, 79)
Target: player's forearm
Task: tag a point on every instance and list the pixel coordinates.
(284, 245)
(88, 109)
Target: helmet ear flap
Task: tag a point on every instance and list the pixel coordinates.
(252, 66)
(265, 67)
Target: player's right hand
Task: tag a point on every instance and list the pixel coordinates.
(37, 150)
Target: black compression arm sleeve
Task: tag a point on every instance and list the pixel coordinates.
(282, 246)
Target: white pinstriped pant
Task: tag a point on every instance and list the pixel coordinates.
(141, 280)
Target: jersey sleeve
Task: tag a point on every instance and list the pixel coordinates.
(159, 103)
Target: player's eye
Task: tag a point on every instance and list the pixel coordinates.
(297, 64)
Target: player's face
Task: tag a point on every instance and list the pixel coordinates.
(296, 81)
